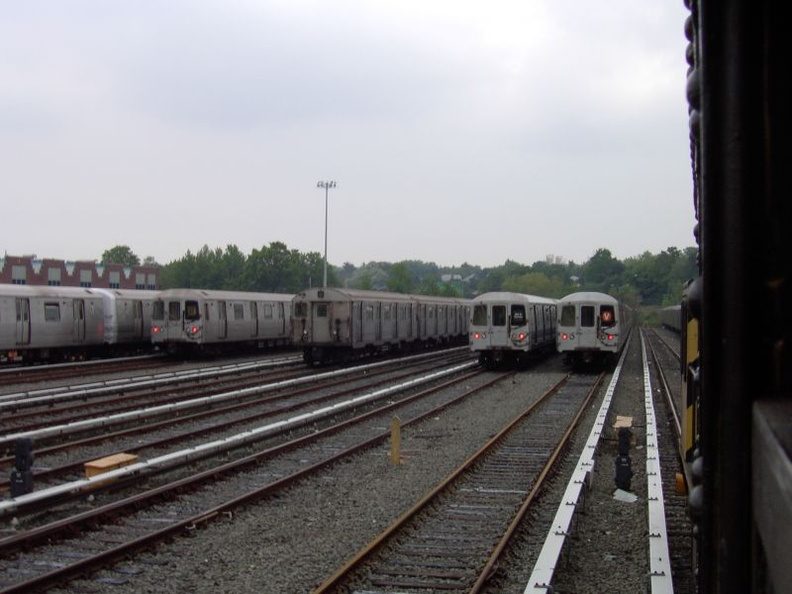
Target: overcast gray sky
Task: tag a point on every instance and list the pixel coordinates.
(457, 131)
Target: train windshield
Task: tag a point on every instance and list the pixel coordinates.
(174, 310)
(158, 310)
(498, 315)
(607, 316)
(567, 315)
(587, 316)
(518, 315)
(191, 311)
(480, 315)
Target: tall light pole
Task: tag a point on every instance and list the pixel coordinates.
(326, 185)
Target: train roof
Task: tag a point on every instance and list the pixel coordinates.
(508, 296)
(126, 293)
(342, 294)
(589, 297)
(53, 292)
(223, 295)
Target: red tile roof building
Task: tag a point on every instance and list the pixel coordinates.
(29, 270)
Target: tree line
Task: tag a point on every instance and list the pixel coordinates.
(648, 279)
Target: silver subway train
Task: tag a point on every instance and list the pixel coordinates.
(194, 320)
(671, 318)
(592, 328)
(511, 328)
(341, 324)
(54, 324)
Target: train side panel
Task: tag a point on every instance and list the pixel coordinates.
(339, 324)
(198, 320)
(49, 323)
(127, 316)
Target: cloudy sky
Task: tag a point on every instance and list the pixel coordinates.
(457, 131)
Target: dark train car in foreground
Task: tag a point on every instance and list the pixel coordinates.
(738, 370)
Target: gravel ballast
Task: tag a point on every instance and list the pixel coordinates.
(291, 542)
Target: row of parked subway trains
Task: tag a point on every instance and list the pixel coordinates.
(52, 324)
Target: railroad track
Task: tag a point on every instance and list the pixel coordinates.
(14, 375)
(451, 540)
(108, 532)
(217, 420)
(679, 527)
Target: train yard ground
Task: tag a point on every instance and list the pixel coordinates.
(348, 488)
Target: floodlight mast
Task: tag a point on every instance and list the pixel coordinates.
(326, 185)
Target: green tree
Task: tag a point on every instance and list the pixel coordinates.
(120, 254)
(364, 282)
(535, 283)
(232, 267)
(399, 280)
(179, 273)
(602, 271)
(494, 278)
(430, 285)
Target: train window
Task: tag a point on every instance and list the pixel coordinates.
(321, 310)
(268, 311)
(174, 310)
(518, 315)
(206, 312)
(386, 312)
(239, 311)
(567, 315)
(191, 310)
(158, 311)
(498, 315)
(300, 310)
(480, 315)
(587, 316)
(52, 312)
(607, 316)
(369, 312)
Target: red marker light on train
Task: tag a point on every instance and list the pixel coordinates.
(521, 336)
(155, 329)
(564, 336)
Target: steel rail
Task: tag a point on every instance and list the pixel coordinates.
(542, 575)
(661, 580)
(49, 533)
(334, 581)
(492, 563)
(183, 419)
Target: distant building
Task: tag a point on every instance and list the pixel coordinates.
(447, 278)
(29, 270)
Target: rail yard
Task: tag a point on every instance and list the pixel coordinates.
(269, 475)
